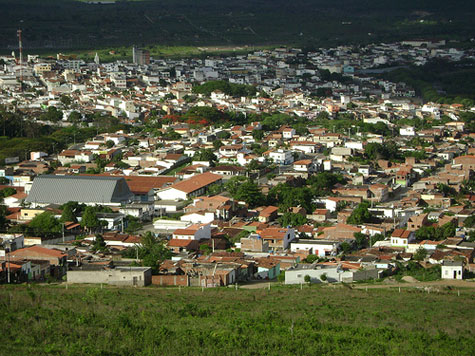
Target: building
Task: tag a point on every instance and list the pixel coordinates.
(318, 273)
(189, 188)
(140, 56)
(118, 276)
(278, 237)
(321, 248)
(91, 190)
(282, 157)
(452, 270)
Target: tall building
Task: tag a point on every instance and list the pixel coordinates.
(140, 56)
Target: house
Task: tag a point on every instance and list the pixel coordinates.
(91, 190)
(118, 276)
(278, 238)
(452, 270)
(415, 222)
(330, 272)
(267, 268)
(69, 156)
(320, 215)
(401, 238)
(305, 165)
(340, 232)
(321, 248)
(467, 161)
(228, 171)
(189, 188)
(254, 243)
(193, 232)
(222, 207)
(181, 245)
(281, 157)
(268, 214)
(56, 258)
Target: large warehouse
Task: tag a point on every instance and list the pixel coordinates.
(51, 189)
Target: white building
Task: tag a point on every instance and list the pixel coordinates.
(281, 157)
(452, 270)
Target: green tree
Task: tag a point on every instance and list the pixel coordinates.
(345, 247)
(307, 278)
(291, 219)
(45, 224)
(89, 219)
(205, 154)
(68, 214)
(75, 117)
(258, 135)
(361, 240)
(133, 224)
(109, 143)
(250, 193)
(217, 144)
(6, 192)
(223, 135)
(420, 254)
(152, 251)
(360, 215)
(99, 244)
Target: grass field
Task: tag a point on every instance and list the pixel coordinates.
(85, 320)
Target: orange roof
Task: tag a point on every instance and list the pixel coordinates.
(40, 250)
(197, 182)
(179, 243)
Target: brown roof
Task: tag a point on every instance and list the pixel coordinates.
(197, 182)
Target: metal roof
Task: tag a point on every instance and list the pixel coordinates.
(83, 189)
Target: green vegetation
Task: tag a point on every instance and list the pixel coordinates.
(52, 320)
(416, 271)
(360, 214)
(436, 233)
(189, 24)
(440, 81)
(235, 90)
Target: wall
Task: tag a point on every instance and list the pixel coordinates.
(170, 280)
(114, 276)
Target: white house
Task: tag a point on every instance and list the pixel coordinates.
(198, 217)
(304, 165)
(281, 156)
(288, 133)
(407, 131)
(193, 232)
(321, 248)
(452, 270)
(401, 238)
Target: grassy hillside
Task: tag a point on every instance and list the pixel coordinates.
(52, 320)
(72, 24)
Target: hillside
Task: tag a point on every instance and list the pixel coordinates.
(52, 320)
(72, 24)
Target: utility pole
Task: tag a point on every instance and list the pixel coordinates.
(62, 230)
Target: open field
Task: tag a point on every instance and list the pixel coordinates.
(88, 320)
(72, 24)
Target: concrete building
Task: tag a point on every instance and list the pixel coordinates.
(452, 270)
(118, 276)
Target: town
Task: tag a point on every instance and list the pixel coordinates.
(279, 165)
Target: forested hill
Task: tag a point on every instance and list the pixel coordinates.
(82, 24)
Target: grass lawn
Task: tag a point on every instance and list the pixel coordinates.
(88, 320)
